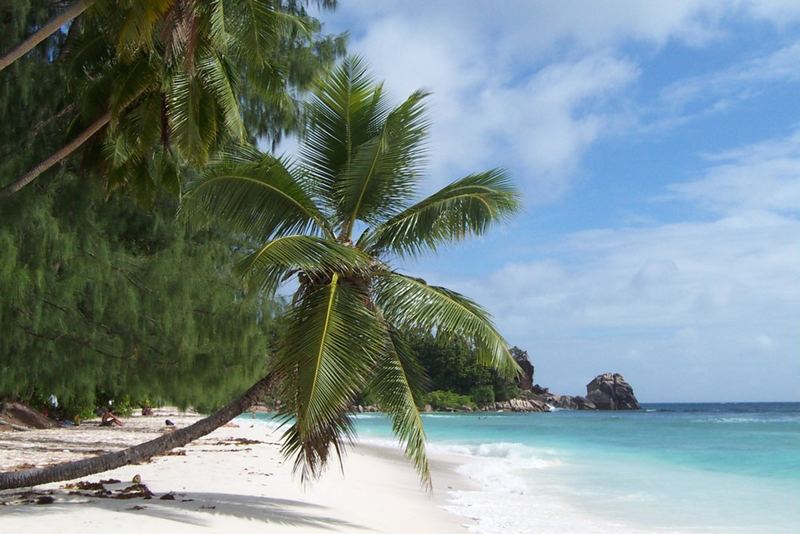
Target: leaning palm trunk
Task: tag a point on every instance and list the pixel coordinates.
(57, 156)
(46, 31)
(138, 453)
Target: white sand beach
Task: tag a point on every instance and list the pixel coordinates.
(233, 480)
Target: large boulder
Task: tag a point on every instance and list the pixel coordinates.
(539, 390)
(522, 405)
(525, 380)
(610, 391)
(569, 402)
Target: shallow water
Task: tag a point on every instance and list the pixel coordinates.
(668, 467)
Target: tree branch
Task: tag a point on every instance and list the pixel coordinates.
(44, 32)
(59, 155)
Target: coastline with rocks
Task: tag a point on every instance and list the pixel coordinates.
(607, 391)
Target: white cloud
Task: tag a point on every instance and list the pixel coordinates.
(486, 114)
(532, 85)
(709, 296)
(718, 91)
(682, 308)
(764, 176)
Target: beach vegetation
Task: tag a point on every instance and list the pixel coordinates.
(105, 294)
(482, 395)
(155, 89)
(331, 223)
(449, 401)
(326, 227)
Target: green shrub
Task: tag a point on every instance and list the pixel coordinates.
(448, 400)
(507, 391)
(482, 395)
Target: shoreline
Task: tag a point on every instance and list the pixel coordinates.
(233, 480)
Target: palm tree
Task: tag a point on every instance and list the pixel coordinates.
(163, 79)
(49, 28)
(330, 224)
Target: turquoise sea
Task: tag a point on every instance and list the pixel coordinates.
(666, 468)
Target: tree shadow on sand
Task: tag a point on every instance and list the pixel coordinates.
(190, 507)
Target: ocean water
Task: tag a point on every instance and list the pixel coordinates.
(666, 468)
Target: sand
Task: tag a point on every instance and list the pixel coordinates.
(223, 484)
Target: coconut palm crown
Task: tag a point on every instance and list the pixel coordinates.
(330, 223)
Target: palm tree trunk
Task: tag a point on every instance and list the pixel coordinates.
(57, 156)
(44, 32)
(138, 453)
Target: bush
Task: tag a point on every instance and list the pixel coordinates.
(507, 391)
(482, 395)
(448, 400)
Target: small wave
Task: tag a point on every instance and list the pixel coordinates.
(369, 416)
(746, 420)
(522, 456)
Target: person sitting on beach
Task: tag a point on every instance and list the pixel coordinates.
(109, 419)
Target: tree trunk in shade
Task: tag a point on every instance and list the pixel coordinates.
(44, 32)
(138, 453)
(57, 156)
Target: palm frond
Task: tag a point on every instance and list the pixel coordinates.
(257, 26)
(324, 360)
(140, 23)
(219, 76)
(466, 207)
(267, 266)
(383, 171)
(131, 82)
(410, 303)
(397, 376)
(192, 117)
(346, 111)
(261, 199)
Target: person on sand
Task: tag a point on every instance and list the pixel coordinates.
(109, 419)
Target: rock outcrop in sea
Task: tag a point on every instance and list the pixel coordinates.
(520, 405)
(610, 391)
(525, 380)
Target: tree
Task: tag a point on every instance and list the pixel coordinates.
(331, 222)
(84, 272)
(48, 29)
(162, 80)
(102, 296)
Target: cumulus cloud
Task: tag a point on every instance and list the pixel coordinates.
(709, 298)
(763, 176)
(708, 301)
(533, 85)
(541, 122)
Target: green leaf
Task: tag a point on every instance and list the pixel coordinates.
(466, 207)
(411, 303)
(219, 77)
(192, 117)
(324, 361)
(267, 267)
(260, 199)
(396, 377)
(346, 110)
(383, 171)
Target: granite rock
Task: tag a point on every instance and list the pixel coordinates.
(610, 391)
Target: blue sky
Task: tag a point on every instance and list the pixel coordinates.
(658, 148)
